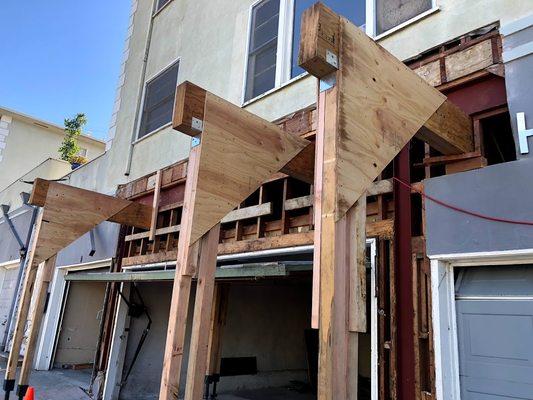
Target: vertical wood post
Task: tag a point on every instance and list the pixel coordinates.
(185, 269)
(23, 307)
(44, 277)
(197, 366)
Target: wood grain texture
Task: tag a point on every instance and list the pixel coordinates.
(319, 35)
(238, 152)
(44, 276)
(302, 166)
(448, 130)
(197, 366)
(188, 104)
(155, 205)
(30, 272)
(68, 214)
(382, 104)
(132, 213)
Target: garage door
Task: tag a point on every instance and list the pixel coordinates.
(495, 332)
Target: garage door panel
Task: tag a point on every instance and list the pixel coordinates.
(488, 389)
(496, 348)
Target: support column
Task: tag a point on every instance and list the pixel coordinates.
(23, 309)
(403, 268)
(44, 277)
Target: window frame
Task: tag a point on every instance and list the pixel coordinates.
(158, 10)
(143, 98)
(282, 73)
(371, 17)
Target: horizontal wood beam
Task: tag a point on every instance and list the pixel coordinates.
(299, 202)
(449, 130)
(302, 166)
(134, 214)
(248, 212)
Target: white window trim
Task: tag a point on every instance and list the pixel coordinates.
(371, 19)
(443, 312)
(141, 106)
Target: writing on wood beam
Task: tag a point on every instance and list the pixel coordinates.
(239, 150)
(325, 46)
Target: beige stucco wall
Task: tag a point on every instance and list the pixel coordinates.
(209, 38)
(51, 168)
(28, 143)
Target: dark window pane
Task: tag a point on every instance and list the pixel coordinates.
(159, 101)
(391, 13)
(160, 4)
(261, 73)
(354, 10)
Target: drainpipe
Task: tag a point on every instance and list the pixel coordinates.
(23, 250)
(140, 90)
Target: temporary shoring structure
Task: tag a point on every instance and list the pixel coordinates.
(370, 105)
(66, 214)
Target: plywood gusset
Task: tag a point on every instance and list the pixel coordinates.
(234, 153)
(370, 106)
(67, 213)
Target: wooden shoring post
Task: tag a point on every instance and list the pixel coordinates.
(370, 105)
(218, 321)
(155, 205)
(185, 269)
(233, 153)
(44, 277)
(23, 307)
(197, 366)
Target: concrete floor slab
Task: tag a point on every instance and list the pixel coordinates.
(58, 384)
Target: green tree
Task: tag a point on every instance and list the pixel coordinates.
(69, 147)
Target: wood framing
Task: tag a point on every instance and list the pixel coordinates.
(234, 153)
(238, 152)
(67, 214)
(370, 106)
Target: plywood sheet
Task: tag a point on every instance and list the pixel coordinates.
(68, 214)
(238, 152)
(382, 104)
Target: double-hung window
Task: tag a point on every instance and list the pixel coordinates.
(158, 101)
(274, 39)
(262, 48)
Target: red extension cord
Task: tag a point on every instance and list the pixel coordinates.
(462, 210)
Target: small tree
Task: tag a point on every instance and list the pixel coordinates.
(69, 147)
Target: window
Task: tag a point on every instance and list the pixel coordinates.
(274, 40)
(159, 100)
(160, 4)
(391, 13)
(354, 10)
(262, 48)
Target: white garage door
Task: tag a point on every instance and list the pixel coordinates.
(495, 332)
(8, 280)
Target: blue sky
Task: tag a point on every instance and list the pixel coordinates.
(60, 57)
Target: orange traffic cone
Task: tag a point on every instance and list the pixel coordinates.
(29, 394)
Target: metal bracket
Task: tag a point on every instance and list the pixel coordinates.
(523, 133)
(197, 124)
(196, 141)
(328, 82)
(331, 58)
